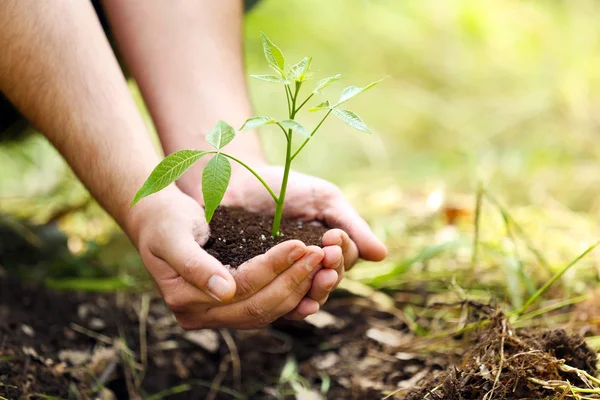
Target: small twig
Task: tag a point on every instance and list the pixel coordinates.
(500, 364)
(143, 316)
(580, 372)
(94, 335)
(478, 205)
(235, 359)
(216, 383)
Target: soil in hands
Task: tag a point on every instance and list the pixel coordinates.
(238, 235)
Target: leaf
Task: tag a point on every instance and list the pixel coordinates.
(273, 54)
(168, 171)
(294, 126)
(220, 135)
(215, 179)
(352, 91)
(299, 71)
(323, 83)
(351, 119)
(323, 106)
(256, 122)
(270, 78)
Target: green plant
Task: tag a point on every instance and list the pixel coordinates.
(217, 172)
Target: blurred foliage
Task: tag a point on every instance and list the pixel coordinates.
(506, 93)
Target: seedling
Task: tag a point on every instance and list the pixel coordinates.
(217, 172)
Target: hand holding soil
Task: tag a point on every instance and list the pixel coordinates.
(169, 228)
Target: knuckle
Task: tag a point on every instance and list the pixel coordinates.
(175, 303)
(189, 325)
(244, 286)
(190, 269)
(258, 314)
(291, 283)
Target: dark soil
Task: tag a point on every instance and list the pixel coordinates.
(83, 346)
(238, 235)
(71, 345)
(519, 356)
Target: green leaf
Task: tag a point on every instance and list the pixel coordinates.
(168, 171)
(256, 122)
(299, 72)
(323, 106)
(351, 119)
(270, 78)
(215, 179)
(220, 135)
(323, 83)
(273, 54)
(352, 91)
(294, 126)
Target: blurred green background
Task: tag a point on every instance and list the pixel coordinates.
(506, 93)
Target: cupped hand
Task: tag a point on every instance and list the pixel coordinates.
(169, 229)
(312, 199)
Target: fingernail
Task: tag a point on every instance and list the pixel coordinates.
(313, 260)
(295, 255)
(218, 287)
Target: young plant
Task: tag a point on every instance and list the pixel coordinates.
(217, 172)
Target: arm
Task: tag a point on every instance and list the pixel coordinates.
(58, 69)
(71, 88)
(187, 60)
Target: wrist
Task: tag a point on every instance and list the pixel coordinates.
(146, 209)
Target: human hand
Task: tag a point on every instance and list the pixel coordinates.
(312, 199)
(169, 229)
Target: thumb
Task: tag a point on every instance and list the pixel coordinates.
(199, 268)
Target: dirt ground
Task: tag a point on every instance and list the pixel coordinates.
(74, 345)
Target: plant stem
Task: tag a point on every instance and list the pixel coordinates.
(311, 134)
(303, 103)
(284, 131)
(261, 180)
(275, 230)
(288, 96)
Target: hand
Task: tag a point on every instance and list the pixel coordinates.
(168, 229)
(312, 199)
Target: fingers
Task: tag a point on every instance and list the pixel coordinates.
(324, 282)
(343, 216)
(306, 307)
(197, 268)
(337, 237)
(276, 299)
(255, 274)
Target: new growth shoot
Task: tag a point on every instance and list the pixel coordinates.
(217, 172)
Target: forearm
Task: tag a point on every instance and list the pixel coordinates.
(187, 59)
(58, 69)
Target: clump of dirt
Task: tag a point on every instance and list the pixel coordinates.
(238, 235)
(504, 363)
